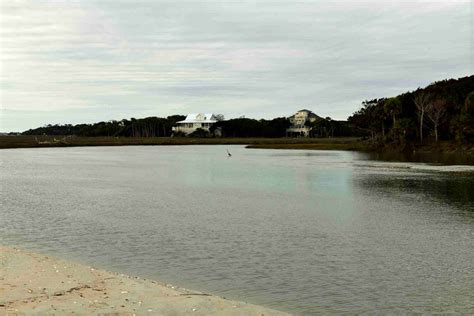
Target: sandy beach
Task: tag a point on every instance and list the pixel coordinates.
(33, 283)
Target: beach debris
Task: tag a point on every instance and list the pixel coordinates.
(78, 288)
(194, 309)
(98, 289)
(150, 310)
(59, 293)
(124, 292)
(200, 294)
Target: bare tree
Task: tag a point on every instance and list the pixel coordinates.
(422, 102)
(435, 112)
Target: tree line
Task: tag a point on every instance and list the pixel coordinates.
(146, 127)
(246, 127)
(444, 110)
(162, 127)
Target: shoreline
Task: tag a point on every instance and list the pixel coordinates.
(7, 142)
(33, 283)
(450, 152)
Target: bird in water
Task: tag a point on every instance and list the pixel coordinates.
(228, 154)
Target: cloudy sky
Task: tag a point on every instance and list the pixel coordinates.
(88, 61)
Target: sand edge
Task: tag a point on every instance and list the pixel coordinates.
(32, 283)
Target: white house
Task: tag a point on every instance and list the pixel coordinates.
(299, 123)
(195, 121)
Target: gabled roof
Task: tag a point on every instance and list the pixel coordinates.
(199, 118)
(310, 114)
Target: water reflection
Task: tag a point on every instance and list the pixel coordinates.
(305, 232)
(454, 158)
(455, 189)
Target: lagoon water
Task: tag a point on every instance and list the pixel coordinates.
(301, 231)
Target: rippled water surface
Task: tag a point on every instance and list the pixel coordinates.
(299, 231)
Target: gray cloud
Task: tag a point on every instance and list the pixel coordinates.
(71, 62)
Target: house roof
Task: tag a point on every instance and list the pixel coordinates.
(199, 118)
(310, 114)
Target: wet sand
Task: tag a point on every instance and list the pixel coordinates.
(32, 283)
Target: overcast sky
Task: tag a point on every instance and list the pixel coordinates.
(88, 61)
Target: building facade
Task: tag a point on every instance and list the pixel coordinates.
(195, 121)
(299, 123)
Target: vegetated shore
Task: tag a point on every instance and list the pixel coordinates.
(443, 151)
(339, 143)
(32, 283)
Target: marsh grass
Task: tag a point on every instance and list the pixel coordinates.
(283, 143)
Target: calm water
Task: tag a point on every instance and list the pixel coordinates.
(300, 231)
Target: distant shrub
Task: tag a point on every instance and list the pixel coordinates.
(200, 133)
(179, 134)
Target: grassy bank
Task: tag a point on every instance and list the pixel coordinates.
(284, 143)
(342, 143)
(440, 151)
